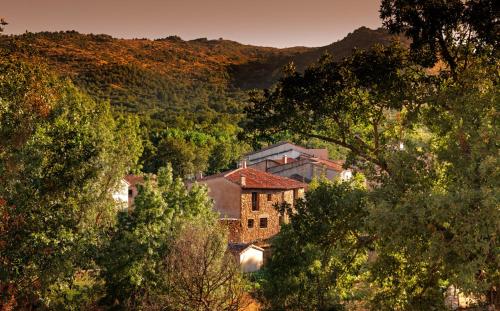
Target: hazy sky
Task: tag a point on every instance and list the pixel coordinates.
(279, 23)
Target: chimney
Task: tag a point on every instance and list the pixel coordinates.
(243, 181)
(244, 164)
(285, 159)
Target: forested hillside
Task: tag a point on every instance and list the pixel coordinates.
(169, 76)
(183, 91)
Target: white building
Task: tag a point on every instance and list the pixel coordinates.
(250, 257)
(288, 160)
(126, 191)
(281, 149)
(121, 195)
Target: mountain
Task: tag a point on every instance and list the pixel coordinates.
(263, 73)
(167, 78)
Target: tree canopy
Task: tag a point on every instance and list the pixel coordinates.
(424, 138)
(61, 156)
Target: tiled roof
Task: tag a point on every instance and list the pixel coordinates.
(330, 164)
(255, 179)
(134, 179)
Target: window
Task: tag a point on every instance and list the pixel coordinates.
(281, 219)
(255, 201)
(269, 197)
(130, 192)
(250, 223)
(263, 222)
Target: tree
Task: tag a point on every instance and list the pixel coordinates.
(426, 144)
(202, 274)
(317, 258)
(448, 30)
(61, 156)
(437, 219)
(358, 104)
(132, 261)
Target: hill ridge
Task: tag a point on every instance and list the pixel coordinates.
(170, 77)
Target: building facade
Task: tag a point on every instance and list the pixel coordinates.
(288, 160)
(246, 201)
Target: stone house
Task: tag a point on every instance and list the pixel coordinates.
(245, 199)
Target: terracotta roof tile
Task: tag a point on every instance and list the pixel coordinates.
(255, 179)
(134, 179)
(330, 164)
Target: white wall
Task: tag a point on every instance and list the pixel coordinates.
(288, 149)
(251, 259)
(280, 151)
(121, 194)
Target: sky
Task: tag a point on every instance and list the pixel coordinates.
(277, 23)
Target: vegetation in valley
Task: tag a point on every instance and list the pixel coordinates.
(416, 119)
(170, 252)
(61, 154)
(192, 90)
(426, 142)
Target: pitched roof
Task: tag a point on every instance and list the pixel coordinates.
(282, 161)
(238, 248)
(270, 147)
(134, 179)
(322, 152)
(328, 163)
(255, 179)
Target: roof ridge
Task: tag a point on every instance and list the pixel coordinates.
(269, 147)
(232, 172)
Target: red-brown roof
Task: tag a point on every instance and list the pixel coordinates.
(329, 163)
(134, 179)
(255, 179)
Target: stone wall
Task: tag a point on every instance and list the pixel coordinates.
(266, 210)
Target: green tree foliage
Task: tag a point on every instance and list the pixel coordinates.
(61, 156)
(438, 215)
(133, 261)
(426, 142)
(211, 148)
(355, 104)
(448, 30)
(317, 257)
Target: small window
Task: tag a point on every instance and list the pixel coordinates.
(269, 197)
(250, 223)
(263, 222)
(255, 201)
(130, 192)
(281, 219)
